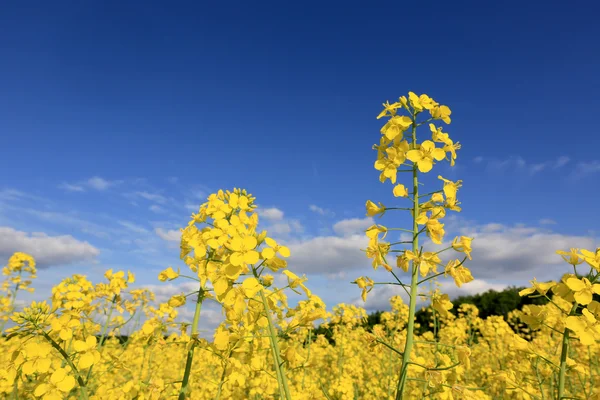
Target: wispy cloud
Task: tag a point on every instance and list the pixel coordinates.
(133, 227)
(520, 164)
(586, 168)
(320, 210)
(94, 183)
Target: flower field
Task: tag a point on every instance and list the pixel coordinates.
(69, 347)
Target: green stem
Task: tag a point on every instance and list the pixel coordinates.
(414, 280)
(279, 369)
(190, 354)
(563, 358)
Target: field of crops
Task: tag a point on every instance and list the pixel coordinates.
(68, 346)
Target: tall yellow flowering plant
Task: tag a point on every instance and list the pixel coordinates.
(229, 253)
(400, 151)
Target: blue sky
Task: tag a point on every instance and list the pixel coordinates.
(118, 118)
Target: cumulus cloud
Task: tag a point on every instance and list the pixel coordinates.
(285, 228)
(47, 250)
(328, 254)
(271, 214)
(520, 252)
(352, 226)
(170, 235)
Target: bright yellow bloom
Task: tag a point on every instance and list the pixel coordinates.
(243, 250)
(400, 191)
(463, 244)
(425, 155)
(459, 272)
(586, 327)
(295, 281)
(571, 256)
(389, 109)
(441, 112)
(583, 289)
(396, 126)
(374, 209)
(168, 274)
(592, 258)
(366, 284)
(274, 248)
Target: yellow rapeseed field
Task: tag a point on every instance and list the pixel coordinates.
(67, 347)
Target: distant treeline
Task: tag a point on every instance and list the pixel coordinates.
(488, 303)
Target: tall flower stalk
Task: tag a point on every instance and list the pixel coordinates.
(397, 154)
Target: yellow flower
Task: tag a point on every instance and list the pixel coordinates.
(540, 287)
(243, 250)
(592, 258)
(463, 244)
(389, 108)
(400, 191)
(425, 155)
(441, 112)
(585, 326)
(396, 126)
(251, 286)
(295, 281)
(274, 248)
(88, 355)
(168, 274)
(374, 209)
(58, 380)
(571, 256)
(583, 289)
(366, 284)
(459, 272)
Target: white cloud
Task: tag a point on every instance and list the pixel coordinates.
(561, 161)
(155, 197)
(520, 252)
(285, 228)
(271, 214)
(584, 168)
(518, 163)
(547, 221)
(47, 250)
(319, 210)
(71, 188)
(98, 183)
(328, 254)
(132, 227)
(11, 194)
(168, 235)
(352, 226)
